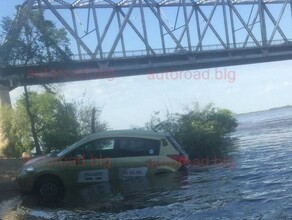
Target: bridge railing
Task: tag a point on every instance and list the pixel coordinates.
(203, 48)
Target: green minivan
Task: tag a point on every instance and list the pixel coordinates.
(102, 157)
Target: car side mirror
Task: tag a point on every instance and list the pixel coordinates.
(79, 159)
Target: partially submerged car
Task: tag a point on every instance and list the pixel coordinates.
(102, 157)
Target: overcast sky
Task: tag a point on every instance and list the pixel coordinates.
(130, 101)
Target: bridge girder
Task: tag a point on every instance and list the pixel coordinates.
(113, 28)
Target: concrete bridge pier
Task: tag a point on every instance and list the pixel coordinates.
(4, 95)
(4, 100)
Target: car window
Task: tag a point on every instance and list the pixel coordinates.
(134, 147)
(100, 148)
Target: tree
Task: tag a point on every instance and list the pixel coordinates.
(55, 122)
(202, 131)
(89, 118)
(58, 123)
(32, 40)
(9, 121)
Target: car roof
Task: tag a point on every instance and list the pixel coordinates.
(134, 133)
(128, 133)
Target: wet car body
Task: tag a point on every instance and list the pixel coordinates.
(103, 157)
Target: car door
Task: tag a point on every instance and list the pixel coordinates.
(136, 157)
(92, 162)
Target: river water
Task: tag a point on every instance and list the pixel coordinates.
(254, 183)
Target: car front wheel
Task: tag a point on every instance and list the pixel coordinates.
(50, 188)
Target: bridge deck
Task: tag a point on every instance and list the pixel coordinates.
(140, 64)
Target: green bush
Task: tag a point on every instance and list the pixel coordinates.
(202, 131)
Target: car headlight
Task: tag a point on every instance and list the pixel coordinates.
(26, 170)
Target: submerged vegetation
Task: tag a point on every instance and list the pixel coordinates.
(202, 131)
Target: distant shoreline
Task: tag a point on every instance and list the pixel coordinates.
(270, 109)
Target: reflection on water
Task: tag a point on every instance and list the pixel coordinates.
(258, 186)
(119, 195)
(126, 194)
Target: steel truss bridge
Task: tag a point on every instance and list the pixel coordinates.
(113, 38)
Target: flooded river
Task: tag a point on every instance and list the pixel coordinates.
(255, 184)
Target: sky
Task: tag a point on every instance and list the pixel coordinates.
(130, 101)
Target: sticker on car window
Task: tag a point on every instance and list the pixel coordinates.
(133, 172)
(93, 176)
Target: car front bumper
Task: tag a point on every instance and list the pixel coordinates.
(25, 183)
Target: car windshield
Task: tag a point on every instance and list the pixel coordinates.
(69, 148)
(64, 151)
